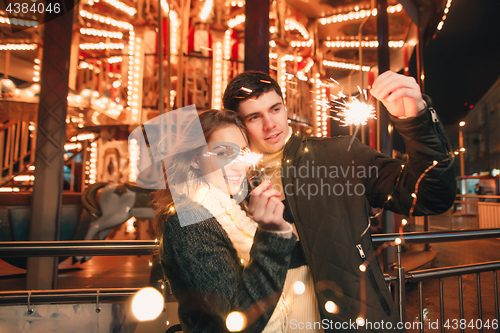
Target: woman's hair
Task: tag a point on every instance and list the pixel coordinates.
(178, 165)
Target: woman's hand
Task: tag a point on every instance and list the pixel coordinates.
(267, 209)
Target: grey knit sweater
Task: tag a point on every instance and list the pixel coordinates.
(208, 280)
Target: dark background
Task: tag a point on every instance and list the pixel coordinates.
(463, 60)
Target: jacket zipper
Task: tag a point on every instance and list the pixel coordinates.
(380, 297)
(435, 121)
(296, 227)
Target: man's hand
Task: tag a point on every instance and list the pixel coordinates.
(267, 209)
(400, 94)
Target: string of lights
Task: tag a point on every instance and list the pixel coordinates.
(106, 20)
(291, 24)
(102, 46)
(308, 43)
(18, 47)
(18, 22)
(355, 44)
(445, 13)
(217, 77)
(121, 6)
(101, 33)
(345, 65)
(357, 15)
(235, 21)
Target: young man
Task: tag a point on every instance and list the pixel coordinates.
(328, 190)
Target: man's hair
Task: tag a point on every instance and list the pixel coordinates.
(249, 84)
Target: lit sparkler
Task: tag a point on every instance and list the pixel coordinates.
(249, 158)
(353, 111)
(246, 156)
(356, 112)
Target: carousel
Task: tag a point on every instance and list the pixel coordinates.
(76, 82)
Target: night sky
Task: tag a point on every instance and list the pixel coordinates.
(463, 61)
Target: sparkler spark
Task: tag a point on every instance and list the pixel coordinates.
(356, 112)
(335, 81)
(353, 111)
(249, 158)
(245, 156)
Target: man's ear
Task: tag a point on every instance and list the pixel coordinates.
(195, 163)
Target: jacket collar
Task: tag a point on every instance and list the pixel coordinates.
(292, 146)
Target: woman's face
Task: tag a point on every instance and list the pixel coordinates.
(218, 162)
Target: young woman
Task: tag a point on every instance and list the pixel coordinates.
(217, 258)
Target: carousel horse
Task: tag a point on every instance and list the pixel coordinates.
(115, 205)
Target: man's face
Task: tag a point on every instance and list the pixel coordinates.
(266, 121)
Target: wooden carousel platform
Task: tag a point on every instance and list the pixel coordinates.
(98, 272)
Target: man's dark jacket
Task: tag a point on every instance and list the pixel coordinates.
(329, 190)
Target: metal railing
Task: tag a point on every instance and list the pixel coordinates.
(76, 248)
(439, 273)
(118, 248)
(102, 295)
(467, 204)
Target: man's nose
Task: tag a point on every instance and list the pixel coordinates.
(268, 122)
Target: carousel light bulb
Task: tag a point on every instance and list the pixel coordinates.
(404, 221)
(397, 241)
(362, 268)
(360, 321)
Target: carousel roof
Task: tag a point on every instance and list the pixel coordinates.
(339, 23)
(335, 29)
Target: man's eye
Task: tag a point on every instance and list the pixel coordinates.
(253, 118)
(276, 110)
(222, 153)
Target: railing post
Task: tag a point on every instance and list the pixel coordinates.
(401, 286)
(495, 288)
(2, 142)
(427, 246)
